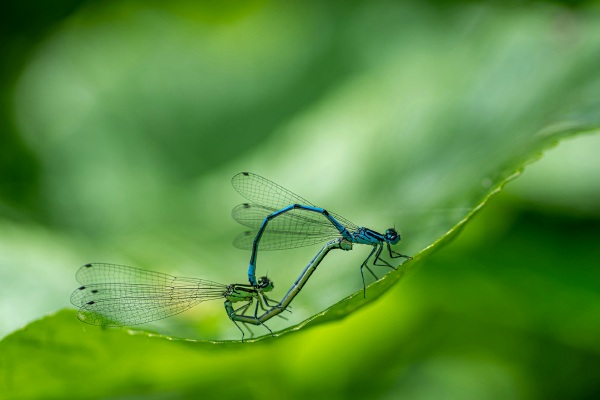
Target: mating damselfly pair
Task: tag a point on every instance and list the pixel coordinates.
(116, 295)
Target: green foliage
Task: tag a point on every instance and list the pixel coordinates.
(133, 117)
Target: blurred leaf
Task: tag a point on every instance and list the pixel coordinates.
(138, 114)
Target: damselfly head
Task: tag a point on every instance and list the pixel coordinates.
(265, 284)
(391, 236)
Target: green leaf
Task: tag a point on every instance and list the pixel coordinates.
(384, 113)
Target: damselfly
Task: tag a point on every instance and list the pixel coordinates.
(117, 295)
(292, 223)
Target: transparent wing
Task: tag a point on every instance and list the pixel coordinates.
(295, 228)
(298, 220)
(276, 240)
(262, 191)
(117, 295)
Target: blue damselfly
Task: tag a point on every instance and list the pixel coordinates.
(294, 222)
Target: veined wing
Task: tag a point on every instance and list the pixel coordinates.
(262, 191)
(277, 240)
(297, 220)
(113, 273)
(116, 295)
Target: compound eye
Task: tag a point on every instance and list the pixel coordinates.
(392, 236)
(263, 282)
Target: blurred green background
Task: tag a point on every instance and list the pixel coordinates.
(121, 124)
